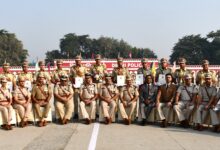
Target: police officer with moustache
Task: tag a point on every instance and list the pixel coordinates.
(119, 70)
(5, 104)
(22, 101)
(77, 70)
(58, 72)
(145, 68)
(88, 95)
(63, 93)
(148, 93)
(206, 97)
(180, 73)
(108, 95)
(47, 77)
(185, 100)
(41, 96)
(128, 100)
(9, 76)
(200, 77)
(162, 71)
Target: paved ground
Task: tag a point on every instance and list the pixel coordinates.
(77, 136)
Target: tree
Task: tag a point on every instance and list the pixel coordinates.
(215, 46)
(11, 49)
(193, 47)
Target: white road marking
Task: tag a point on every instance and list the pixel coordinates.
(92, 143)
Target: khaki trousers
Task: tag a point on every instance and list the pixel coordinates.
(201, 114)
(6, 114)
(164, 111)
(111, 112)
(23, 112)
(64, 109)
(42, 115)
(183, 110)
(127, 112)
(90, 114)
(76, 101)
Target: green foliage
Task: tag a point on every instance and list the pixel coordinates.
(72, 45)
(11, 49)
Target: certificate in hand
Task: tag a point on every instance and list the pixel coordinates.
(28, 85)
(78, 82)
(120, 80)
(139, 79)
(161, 79)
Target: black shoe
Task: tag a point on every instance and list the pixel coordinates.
(143, 123)
(76, 116)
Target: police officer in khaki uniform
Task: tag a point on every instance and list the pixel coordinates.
(22, 101)
(206, 97)
(28, 76)
(98, 70)
(88, 95)
(41, 96)
(162, 71)
(128, 100)
(58, 72)
(165, 98)
(78, 70)
(42, 70)
(120, 70)
(63, 93)
(185, 100)
(145, 68)
(108, 95)
(181, 72)
(148, 93)
(9, 76)
(200, 77)
(5, 104)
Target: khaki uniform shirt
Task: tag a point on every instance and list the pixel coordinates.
(78, 71)
(88, 91)
(128, 93)
(5, 94)
(162, 71)
(200, 77)
(144, 71)
(187, 96)
(46, 74)
(108, 91)
(41, 92)
(9, 76)
(211, 92)
(57, 74)
(28, 76)
(21, 93)
(179, 75)
(98, 72)
(120, 71)
(63, 91)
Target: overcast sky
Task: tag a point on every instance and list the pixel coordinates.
(154, 24)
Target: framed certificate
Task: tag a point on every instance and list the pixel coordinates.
(78, 82)
(120, 80)
(161, 79)
(139, 79)
(28, 85)
(9, 86)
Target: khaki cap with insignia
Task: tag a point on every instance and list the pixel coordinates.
(6, 65)
(98, 56)
(108, 75)
(88, 75)
(119, 59)
(144, 60)
(205, 61)
(163, 60)
(63, 77)
(60, 62)
(188, 76)
(41, 63)
(78, 57)
(208, 76)
(181, 60)
(128, 78)
(21, 78)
